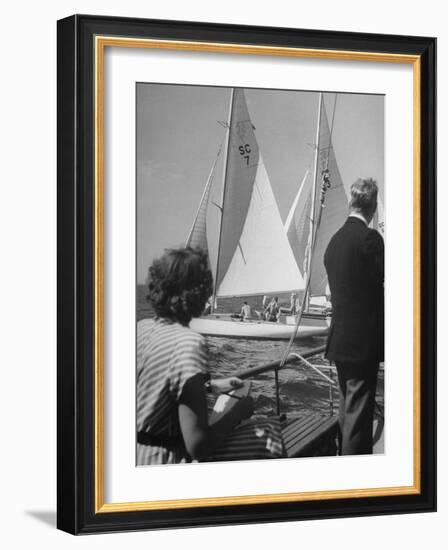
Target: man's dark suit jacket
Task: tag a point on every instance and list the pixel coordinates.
(354, 261)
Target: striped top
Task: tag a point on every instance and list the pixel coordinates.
(168, 354)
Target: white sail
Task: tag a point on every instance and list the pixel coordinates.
(294, 210)
(333, 215)
(335, 206)
(198, 236)
(239, 177)
(254, 255)
(297, 225)
(263, 262)
(198, 233)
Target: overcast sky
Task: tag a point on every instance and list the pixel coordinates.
(178, 137)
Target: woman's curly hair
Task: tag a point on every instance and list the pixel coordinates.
(179, 284)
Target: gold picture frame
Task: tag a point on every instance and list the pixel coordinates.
(81, 35)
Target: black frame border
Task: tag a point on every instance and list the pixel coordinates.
(76, 261)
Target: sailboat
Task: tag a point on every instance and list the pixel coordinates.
(300, 225)
(254, 256)
(306, 210)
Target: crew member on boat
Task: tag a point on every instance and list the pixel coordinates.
(354, 261)
(271, 313)
(264, 301)
(246, 312)
(173, 376)
(294, 305)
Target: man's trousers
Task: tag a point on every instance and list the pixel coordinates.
(357, 384)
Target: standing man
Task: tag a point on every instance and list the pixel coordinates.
(354, 261)
(246, 312)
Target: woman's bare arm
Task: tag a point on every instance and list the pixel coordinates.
(223, 385)
(200, 439)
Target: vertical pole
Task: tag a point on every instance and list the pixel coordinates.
(331, 394)
(277, 392)
(226, 162)
(312, 233)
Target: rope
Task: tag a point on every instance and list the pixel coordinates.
(324, 186)
(316, 369)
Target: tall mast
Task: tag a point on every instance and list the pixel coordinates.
(312, 232)
(226, 157)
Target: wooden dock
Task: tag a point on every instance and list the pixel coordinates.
(310, 435)
(313, 434)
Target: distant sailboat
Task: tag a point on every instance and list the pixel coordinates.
(306, 207)
(253, 253)
(306, 210)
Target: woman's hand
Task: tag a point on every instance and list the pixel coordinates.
(224, 385)
(200, 438)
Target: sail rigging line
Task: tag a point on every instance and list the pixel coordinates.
(325, 183)
(324, 187)
(299, 317)
(288, 347)
(310, 247)
(332, 119)
(242, 253)
(232, 95)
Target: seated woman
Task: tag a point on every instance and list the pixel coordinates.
(172, 376)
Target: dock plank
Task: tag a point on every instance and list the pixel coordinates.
(299, 430)
(313, 441)
(310, 436)
(292, 429)
(310, 429)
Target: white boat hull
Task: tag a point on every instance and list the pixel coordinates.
(235, 328)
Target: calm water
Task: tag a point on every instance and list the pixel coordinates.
(301, 389)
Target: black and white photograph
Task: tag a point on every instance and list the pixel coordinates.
(223, 275)
(260, 227)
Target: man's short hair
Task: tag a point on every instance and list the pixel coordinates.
(364, 193)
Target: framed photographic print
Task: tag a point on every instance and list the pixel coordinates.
(246, 274)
